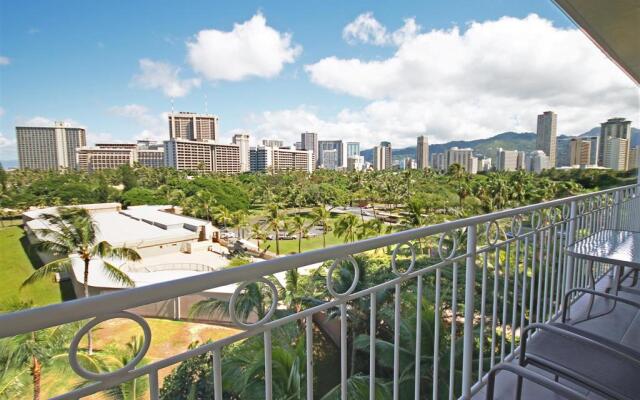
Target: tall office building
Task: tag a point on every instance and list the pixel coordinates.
(422, 152)
(113, 155)
(336, 145)
(330, 158)
(202, 156)
(382, 156)
(508, 160)
(546, 135)
(192, 126)
(242, 140)
(272, 159)
(49, 147)
(439, 161)
(277, 143)
(353, 149)
(464, 157)
(537, 161)
(355, 163)
(563, 151)
(634, 153)
(595, 149)
(309, 142)
(579, 151)
(616, 154)
(614, 128)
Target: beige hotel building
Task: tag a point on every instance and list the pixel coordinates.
(51, 148)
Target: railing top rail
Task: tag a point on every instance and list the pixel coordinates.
(56, 314)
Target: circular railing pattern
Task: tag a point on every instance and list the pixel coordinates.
(236, 294)
(536, 220)
(516, 225)
(454, 246)
(73, 348)
(356, 277)
(395, 254)
(492, 240)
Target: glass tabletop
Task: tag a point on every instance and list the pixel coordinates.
(609, 246)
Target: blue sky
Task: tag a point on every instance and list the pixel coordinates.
(353, 70)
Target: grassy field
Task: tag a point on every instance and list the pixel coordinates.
(291, 246)
(16, 264)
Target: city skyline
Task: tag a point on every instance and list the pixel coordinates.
(118, 82)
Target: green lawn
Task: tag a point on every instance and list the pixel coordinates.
(16, 266)
(291, 246)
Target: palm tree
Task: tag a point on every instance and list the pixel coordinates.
(223, 216)
(320, 215)
(275, 223)
(240, 221)
(299, 226)
(254, 300)
(29, 352)
(347, 226)
(73, 232)
(117, 357)
(258, 233)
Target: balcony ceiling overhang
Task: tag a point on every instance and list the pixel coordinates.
(613, 25)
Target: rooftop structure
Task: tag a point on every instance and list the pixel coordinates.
(193, 126)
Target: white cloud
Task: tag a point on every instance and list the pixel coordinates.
(366, 29)
(251, 49)
(45, 121)
(164, 76)
(4, 60)
(492, 77)
(154, 127)
(5, 142)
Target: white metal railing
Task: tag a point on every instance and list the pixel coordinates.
(486, 278)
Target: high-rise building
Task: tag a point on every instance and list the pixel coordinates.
(382, 156)
(546, 135)
(579, 151)
(192, 126)
(355, 163)
(595, 149)
(277, 143)
(616, 154)
(330, 158)
(242, 140)
(439, 161)
(353, 149)
(484, 165)
(613, 128)
(272, 159)
(537, 161)
(336, 145)
(309, 141)
(422, 152)
(464, 157)
(507, 160)
(634, 153)
(50, 148)
(563, 151)
(409, 163)
(113, 155)
(202, 156)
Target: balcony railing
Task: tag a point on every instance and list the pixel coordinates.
(485, 278)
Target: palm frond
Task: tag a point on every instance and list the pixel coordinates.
(58, 266)
(118, 275)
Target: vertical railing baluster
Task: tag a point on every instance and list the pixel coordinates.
(454, 318)
(524, 283)
(372, 347)
(540, 272)
(483, 301)
(153, 385)
(396, 344)
(343, 351)
(532, 282)
(217, 374)
(309, 350)
(436, 336)
(494, 306)
(505, 294)
(571, 237)
(268, 366)
(418, 338)
(514, 311)
(469, 311)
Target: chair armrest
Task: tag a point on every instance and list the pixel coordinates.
(543, 381)
(595, 293)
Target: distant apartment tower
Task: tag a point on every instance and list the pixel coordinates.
(330, 158)
(202, 156)
(579, 151)
(422, 152)
(277, 143)
(439, 161)
(242, 140)
(382, 156)
(49, 148)
(537, 161)
(464, 157)
(271, 159)
(353, 149)
(309, 142)
(484, 164)
(546, 135)
(336, 145)
(614, 128)
(192, 126)
(113, 155)
(355, 163)
(616, 154)
(634, 153)
(409, 163)
(508, 160)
